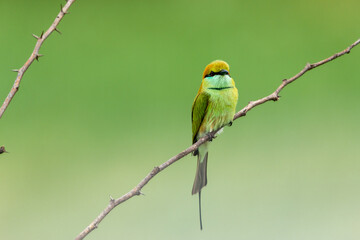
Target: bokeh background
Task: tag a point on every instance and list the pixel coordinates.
(112, 97)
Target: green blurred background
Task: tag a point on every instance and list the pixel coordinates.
(112, 97)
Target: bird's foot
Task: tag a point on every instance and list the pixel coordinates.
(211, 136)
(230, 123)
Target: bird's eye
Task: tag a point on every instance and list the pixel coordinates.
(212, 73)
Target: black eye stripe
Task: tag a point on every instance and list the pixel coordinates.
(221, 72)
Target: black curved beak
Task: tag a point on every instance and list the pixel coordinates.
(223, 72)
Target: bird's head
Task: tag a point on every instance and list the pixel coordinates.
(217, 67)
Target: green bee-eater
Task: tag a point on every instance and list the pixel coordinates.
(213, 107)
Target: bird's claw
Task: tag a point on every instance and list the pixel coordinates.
(230, 123)
(211, 136)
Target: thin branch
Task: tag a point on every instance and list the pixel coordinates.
(35, 54)
(275, 95)
(137, 189)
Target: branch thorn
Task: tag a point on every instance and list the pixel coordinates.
(275, 98)
(57, 30)
(42, 33)
(15, 70)
(35, 36)
(61, 10)
(112, 200)
(37, 56)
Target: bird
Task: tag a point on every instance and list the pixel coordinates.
(213, 108)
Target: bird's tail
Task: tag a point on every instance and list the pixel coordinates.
(201, 175)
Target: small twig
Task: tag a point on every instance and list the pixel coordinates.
(34, 55)
(137, 189)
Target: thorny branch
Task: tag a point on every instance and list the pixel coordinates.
(35, 54)
(137, 189)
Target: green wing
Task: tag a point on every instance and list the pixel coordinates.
(199, 109)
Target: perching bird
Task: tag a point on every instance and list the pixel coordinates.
(213, 107)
